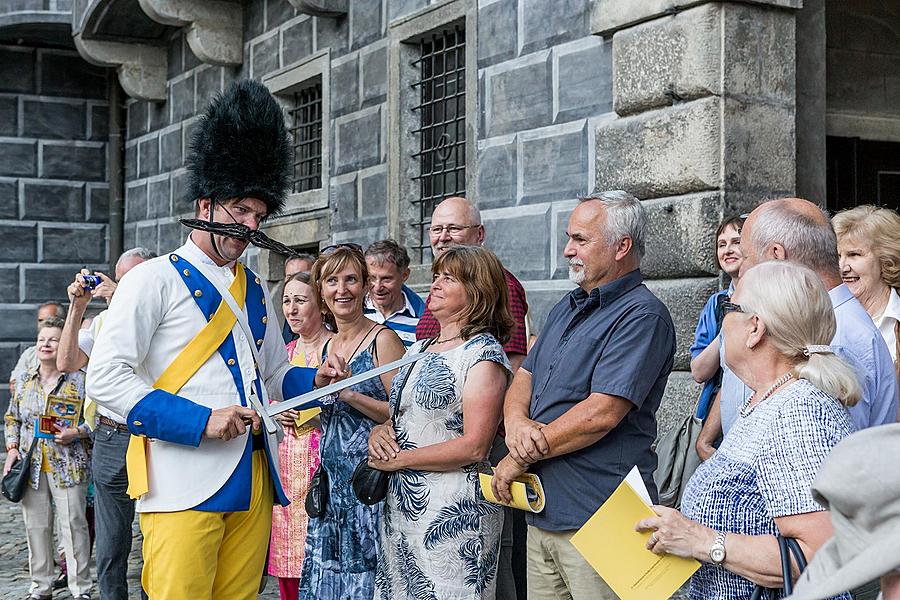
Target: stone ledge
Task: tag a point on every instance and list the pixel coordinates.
(215, 28)
(680, 239)
(141, 68)
(661, 153)
(322, 8)
(610, 16)
(738, 49)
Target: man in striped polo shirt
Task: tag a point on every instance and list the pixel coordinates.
(389, 301)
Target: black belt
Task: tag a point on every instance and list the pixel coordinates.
(114, 424)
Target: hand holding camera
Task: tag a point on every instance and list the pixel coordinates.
(88, 286)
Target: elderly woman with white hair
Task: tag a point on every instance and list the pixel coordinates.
(777, 328)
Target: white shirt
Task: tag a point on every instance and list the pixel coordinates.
(887, 320)
(150, 320)
(86, 339)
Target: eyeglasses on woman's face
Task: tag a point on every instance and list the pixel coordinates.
(729, 307)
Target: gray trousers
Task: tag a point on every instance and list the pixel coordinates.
(113, 511)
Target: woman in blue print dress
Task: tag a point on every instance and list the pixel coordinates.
(439, 538)
(341, 544)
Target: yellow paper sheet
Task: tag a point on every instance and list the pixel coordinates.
(519, 492)
(619, 554)
(305, 415)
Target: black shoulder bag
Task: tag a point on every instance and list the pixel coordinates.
(788, 547)
(370, 484)
(13, 484)
(319, 486)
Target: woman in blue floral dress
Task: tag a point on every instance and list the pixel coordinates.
(439, 538)
(341, 544)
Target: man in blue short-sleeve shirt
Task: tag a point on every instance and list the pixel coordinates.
(581, 411)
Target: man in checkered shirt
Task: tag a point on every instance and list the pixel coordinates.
(457, 222)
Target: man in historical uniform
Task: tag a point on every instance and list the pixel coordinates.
(185, 355)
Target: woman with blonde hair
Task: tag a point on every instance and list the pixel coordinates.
(342, 542)
(777, 328)
(439, 537)
(869, 250)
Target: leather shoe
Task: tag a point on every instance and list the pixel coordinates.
(61, 581)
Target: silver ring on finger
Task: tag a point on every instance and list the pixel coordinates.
(653, 539)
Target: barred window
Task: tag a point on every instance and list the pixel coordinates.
(441, 119)
(306, 130)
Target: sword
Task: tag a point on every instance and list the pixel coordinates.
(314, 395)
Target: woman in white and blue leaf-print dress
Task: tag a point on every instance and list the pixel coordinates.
(439, 538)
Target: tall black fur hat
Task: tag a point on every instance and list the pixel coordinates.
(241, 149)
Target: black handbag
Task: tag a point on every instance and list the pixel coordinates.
(317, 496)
(370, 484)
(788, 547)
(13, 483)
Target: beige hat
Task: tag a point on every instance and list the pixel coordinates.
(859, 483)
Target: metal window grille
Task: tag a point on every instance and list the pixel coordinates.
(441, 123)
(306, 131)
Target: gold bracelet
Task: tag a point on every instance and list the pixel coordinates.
(11, 446)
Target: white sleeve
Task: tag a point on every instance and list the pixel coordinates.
(122, 343)
(86, 340)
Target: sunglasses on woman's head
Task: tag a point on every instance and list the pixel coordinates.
(335, 247)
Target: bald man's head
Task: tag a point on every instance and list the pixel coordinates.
(791, 229)
(455, 222)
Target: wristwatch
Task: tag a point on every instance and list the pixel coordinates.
(717, 550)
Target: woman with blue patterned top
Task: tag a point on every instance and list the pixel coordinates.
(341, 544)
(757, 484)
(439, 538)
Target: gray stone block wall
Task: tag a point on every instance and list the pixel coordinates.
(545, 87)
(53, 192)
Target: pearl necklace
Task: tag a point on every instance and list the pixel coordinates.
(746, 410)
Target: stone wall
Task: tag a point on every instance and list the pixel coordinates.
(704, 99)
(863, 77)
(544, 84)
(53, 193)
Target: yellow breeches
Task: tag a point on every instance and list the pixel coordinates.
(197, 555)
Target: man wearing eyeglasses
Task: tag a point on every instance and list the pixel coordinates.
(457, 222)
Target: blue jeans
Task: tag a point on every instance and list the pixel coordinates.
(113, 511)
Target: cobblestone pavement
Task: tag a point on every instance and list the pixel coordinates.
(14, 579)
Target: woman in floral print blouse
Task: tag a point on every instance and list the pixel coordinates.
(59, 469)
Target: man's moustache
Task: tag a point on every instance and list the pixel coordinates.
(239, 232)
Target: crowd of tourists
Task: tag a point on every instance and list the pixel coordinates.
(797, 356)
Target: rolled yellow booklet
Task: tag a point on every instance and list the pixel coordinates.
(526, 489)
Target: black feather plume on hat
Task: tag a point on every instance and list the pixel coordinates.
(240, 148)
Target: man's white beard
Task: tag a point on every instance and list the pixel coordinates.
(576, 276)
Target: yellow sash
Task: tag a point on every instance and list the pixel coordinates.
(188, 362)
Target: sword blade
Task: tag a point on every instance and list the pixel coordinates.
(314, 395)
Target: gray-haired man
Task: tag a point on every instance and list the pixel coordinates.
(581, 411)
(113, 509)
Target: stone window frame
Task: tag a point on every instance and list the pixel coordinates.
(283, 84)
(403, 35)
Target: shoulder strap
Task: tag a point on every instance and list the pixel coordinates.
(405, 379)
(373, 347)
